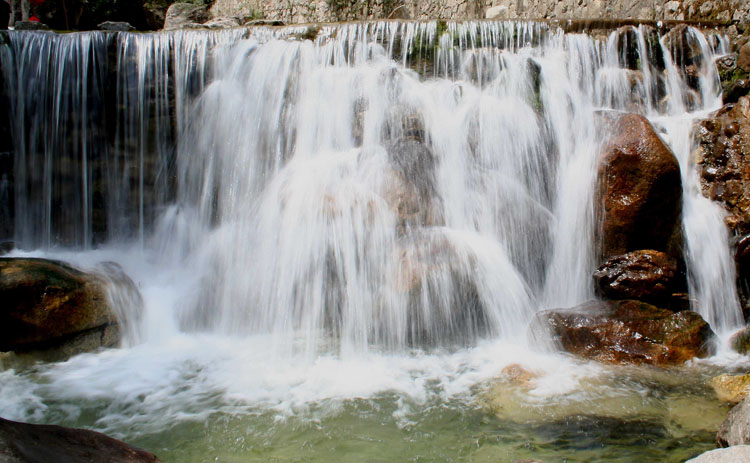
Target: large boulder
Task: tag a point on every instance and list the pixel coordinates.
(626, 332)
(39, 443)
(731, 388)
(640, 188)
(723, 157)
(644, 275)
(51, 306)
(736, 454)
(735, 430)
(185, 16)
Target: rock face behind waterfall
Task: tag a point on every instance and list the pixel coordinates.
(627, 332)
(724, 160)
(639, 190)
(35, 443)
(51, 307)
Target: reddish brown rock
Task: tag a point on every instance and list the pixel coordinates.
(38, 443)
(48, 303)
(645, 275)
(640, 189)
(627, 332)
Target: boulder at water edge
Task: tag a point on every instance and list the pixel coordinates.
(644, 275)
(731, 388)
(53, 307)
(35, 443)
(735, 430)
(736, 454)
(640, 191)
(626, 332)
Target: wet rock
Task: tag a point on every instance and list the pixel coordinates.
(517, 375)
(735, 454)
(735, 430)
(30, 26)
(644, 275)
(54, 309)
(740, 341)
(410, 187)
(731, 388)
(682, 45)
(185, 16)
(116, 26)
(429, 269)
(639, 190)
(735, 81)
(626, 332)
(38, 443)
(723, 157)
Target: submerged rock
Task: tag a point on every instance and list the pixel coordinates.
(626, 332)
(731, 388)
(645, 275)
(735, 430)
(56, 310)
(38, 443)
(640, 189)
(735, 454)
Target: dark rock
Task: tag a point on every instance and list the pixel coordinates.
(30, 26)
(39, 443)
(740, 341)
(50, 305)
(626, 332)
(185, 16)
(645, 275)
(640, 188)
(724, 160)
(682, 45)
(735, 430)
(735, 81)
(116, 26)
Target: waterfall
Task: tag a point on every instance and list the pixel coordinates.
(383, 184)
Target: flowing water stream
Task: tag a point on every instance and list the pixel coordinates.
(341, 233)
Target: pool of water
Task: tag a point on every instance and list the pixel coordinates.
(202, 398)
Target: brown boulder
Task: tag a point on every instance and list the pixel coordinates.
(49, 304)
(39, 443)
(640, 189)
(629, 332)
(723, 157)
(645, 275)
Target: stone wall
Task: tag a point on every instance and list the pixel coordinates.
(301, 11)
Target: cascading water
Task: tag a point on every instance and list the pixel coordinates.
(386, 197)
